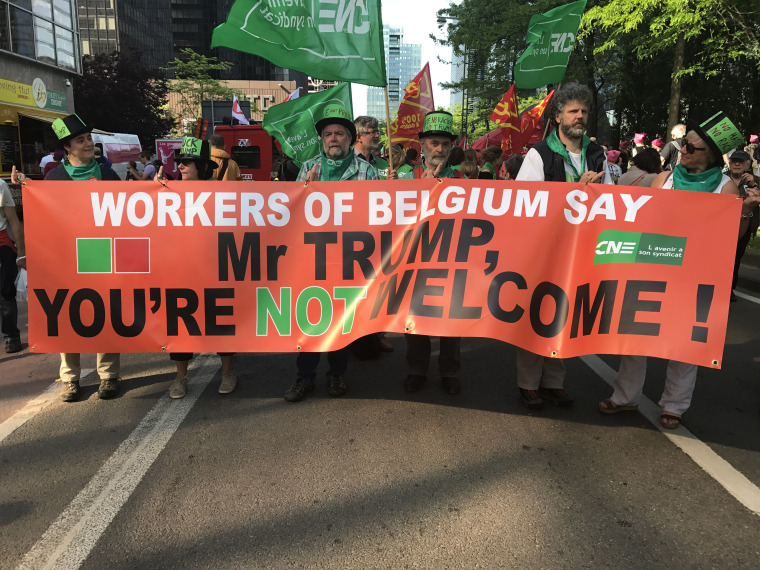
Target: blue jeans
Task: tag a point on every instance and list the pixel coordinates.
(307, 363)
(8, 307)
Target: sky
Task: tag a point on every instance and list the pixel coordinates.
(418, 20)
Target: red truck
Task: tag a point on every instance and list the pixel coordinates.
(252, 148)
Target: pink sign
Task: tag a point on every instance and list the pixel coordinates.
(165, 151)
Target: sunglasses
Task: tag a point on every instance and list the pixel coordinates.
(186, 162)
(691, 149)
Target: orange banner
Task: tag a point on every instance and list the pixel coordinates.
(417, 102)
(556, 268)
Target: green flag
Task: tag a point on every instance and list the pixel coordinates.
(551, 37)
(338, 40)
(292, 122)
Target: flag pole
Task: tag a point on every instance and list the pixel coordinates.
(388, 126)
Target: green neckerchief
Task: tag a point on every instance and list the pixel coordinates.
(706, 181)
(334, 169)
(489, 168)
(456, 166)
(381, 165)
(556, 146)
(92, 170)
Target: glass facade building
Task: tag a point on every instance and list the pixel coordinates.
(403, 62)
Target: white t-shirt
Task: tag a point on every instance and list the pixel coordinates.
(45, 159)
(6, 199)
(533, 167)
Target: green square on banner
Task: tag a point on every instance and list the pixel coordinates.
(94, 255)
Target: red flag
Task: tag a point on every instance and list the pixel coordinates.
(531, 119)
(417, 102)
(506, 115)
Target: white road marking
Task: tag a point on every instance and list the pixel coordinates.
(741, 488)
(747, 297)
(71, 538)
(34, 407)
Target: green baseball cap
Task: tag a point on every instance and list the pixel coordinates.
(335, 113)
(719, 133)
(438, 123)
(69, 127)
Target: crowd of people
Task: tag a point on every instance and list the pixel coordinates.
(349, 150)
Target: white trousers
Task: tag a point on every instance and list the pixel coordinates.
(679, 384)
(535, 371)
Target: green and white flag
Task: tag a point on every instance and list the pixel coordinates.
(338, 40)
(551, 37)
(292, 122)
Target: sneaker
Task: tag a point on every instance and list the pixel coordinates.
(13, 345)
(531, 399)
(108, 388)
(451, 385)
(299, 390)
(336, 386)
(414, 382)
(229, 382)
(556, 396)
(178, 388)
(70, 391)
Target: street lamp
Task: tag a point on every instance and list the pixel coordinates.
(465, 96)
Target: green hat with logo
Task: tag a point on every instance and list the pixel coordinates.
(70, 127)
(335, 113)
(195, 149)
(438, 123)
(720, 134)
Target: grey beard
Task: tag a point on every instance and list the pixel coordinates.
(572, 133)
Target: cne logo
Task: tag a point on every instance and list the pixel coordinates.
(345, 16)
(563, 43)
(608, 247)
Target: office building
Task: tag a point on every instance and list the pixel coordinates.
(403, 62)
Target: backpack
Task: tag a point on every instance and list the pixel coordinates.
(223, 169)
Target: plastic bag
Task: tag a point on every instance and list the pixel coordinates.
(21, 294)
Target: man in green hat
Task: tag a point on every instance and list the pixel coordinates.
(436, 139)
(336, 162)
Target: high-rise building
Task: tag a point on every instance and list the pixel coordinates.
(403, 62)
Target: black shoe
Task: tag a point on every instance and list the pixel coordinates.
(108, 388)
(13, 345)
(414, 382)
(531, 399)
(70, 391)
(298, 390)
(734, 298)
(336, 386)
(451, 385)
(556, 396)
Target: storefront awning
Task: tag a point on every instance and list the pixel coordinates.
(52, 117)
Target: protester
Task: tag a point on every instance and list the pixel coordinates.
(131, 165)
(149, 170)
(456, 157)
(283, 169)
(699, 170)
(100, 159)
(398, 160)
(195, 162)
(335, 162)
(227, 168)
(645, 166)
(436, 139)
(740, 172)
(469, 169)
(411, 157)
(368, 144)
(46, 159)
(76, 139)
(613, 167)
(625, 156)
(566, 155)
(753, 150)
(58, 155)
(492, 158)
(513, 164)
(672, 151)
(12, 257)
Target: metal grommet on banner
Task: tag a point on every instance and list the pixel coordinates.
(715, 363)
(163, 349)
(32, 348)
(409, 327)
(298, 347)
(440, 181)
(162, 182)
(554, 353)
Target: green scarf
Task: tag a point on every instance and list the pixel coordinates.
(488, 167)
(556, 146)
(706, 181)
(91, 170)
(334, 169)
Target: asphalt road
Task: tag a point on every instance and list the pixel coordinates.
(379, 478)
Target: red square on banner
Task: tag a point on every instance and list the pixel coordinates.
(131, 255)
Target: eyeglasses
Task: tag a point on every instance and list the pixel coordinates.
(373, 133)
(691, 149)
(186, 162)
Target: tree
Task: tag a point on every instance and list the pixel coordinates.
(699, 37)
(117, 93)
(194, 82)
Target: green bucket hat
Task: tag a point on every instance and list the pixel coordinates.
(438, 123)
(719, 133)
(195, 149)
(335, 113)
(69, 127)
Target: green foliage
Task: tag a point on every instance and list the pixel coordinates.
(117, 93)
(194, 82)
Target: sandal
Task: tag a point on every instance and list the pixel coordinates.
(670, 421)
(609, 407)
